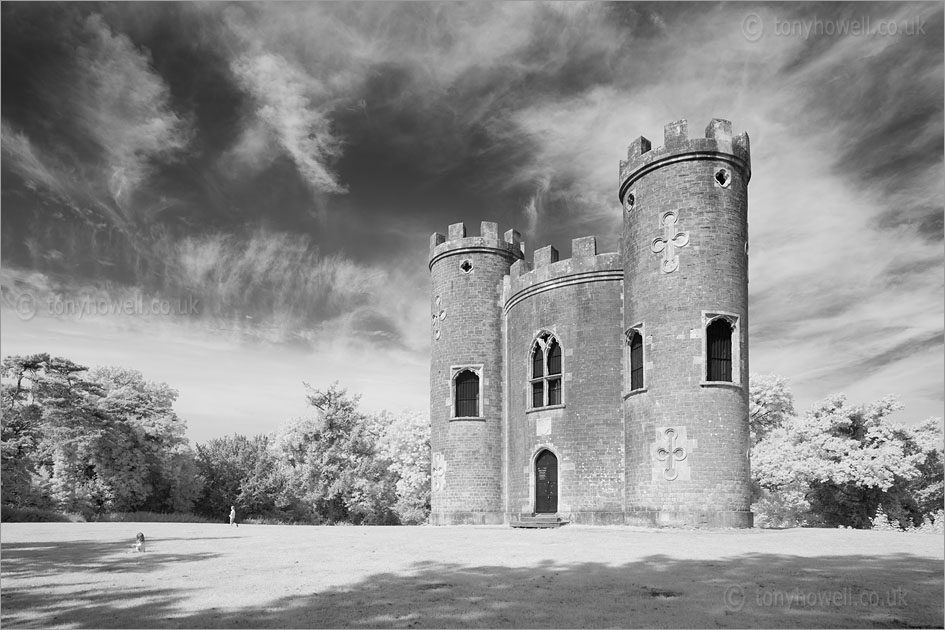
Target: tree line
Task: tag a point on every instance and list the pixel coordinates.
(101, 441)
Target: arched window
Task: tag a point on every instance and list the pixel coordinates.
(467, 394)
(636, 360)
(546, 372)
(719, 350)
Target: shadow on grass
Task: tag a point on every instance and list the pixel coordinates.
(752, 590)
(37, 560)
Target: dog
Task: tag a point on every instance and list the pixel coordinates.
(139, 543)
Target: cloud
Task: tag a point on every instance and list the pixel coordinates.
(279, 287)
(522, 110)
(23, 158)
(124, 107)
(107, 116)
(288, 103)
(533, 209)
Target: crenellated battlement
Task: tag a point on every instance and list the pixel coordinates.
(547, 271)
(718, 143)
(457, 241)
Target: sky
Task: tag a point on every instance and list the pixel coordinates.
(238, 198)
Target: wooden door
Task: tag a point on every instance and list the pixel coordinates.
(546, 483)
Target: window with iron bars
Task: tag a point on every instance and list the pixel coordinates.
(467, 395)
(719, 350)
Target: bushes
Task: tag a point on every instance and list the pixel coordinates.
(934, 523)
(152, 517)
(10, 514)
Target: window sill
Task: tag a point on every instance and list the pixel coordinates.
(728, 384)
(548, 408)
(473, 418)
(634, 392)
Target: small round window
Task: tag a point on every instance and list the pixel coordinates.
(466, 266)
(629, 201)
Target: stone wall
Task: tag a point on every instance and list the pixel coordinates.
(467, 331)
(687, 438)
(579, 301)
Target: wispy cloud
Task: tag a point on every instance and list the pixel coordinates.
(109, 122)
(288, 103)
(124, 107)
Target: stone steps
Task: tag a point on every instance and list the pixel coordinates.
(538, 521)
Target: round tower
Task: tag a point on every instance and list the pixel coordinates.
(466, 373)
(685, 251)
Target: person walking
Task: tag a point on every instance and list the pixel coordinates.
(233, 516)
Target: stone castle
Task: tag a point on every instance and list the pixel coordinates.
(603, 388)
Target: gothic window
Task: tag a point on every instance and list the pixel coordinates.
(719, 350)
(466, 394)
(635, 341)
(546, 372)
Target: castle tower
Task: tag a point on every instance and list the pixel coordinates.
(466, 373)
(685, 252)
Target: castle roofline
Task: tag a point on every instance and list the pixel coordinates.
(718, 144)
(510, 245)
(547, 272)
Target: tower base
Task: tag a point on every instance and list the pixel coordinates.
(661, 518)
(467, 518)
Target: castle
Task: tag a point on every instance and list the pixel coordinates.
(604, 388)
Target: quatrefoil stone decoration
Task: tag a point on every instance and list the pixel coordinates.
(669, 242)
(439, 314)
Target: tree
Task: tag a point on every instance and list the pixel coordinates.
(838, 464)
(74, 431)
(163, 465)
(771, 403)
(91, 442)
(237, 470)
(927, 488)
(20, 431)
(404, 441)
(328, 461)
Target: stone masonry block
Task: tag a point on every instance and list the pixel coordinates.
(457, 231)
(584, 247)
(719, 129)
(545, 256)
(638, 147)
(489, 230)
(676, 134)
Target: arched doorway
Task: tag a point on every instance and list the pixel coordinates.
(546, 483)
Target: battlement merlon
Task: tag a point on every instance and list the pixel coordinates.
(718, 143)
(548, 272)
(510, 245)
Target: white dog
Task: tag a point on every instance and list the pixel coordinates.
(139, 542)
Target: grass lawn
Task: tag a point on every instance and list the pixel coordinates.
(85, 575)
